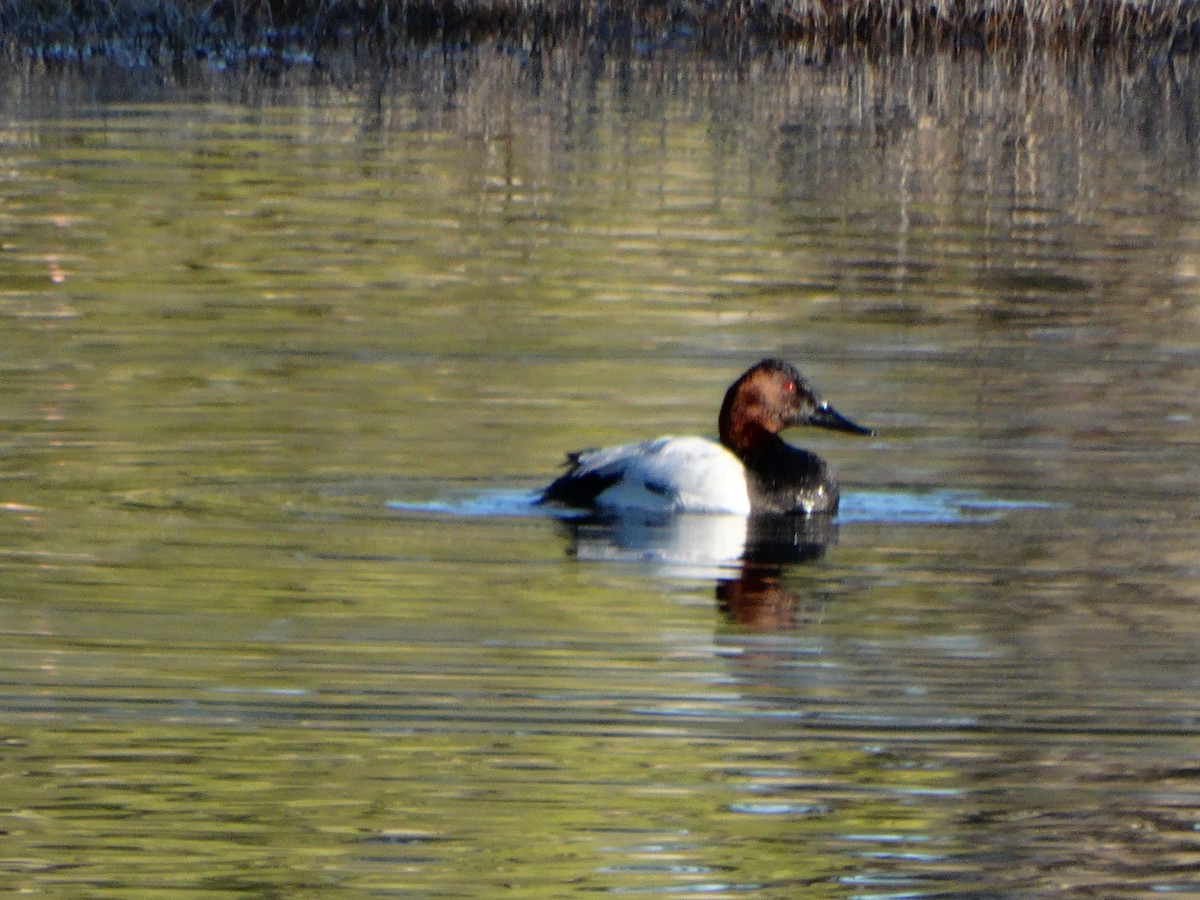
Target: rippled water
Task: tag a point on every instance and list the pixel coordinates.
(286, 360)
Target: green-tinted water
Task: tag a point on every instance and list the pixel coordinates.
(282, 362)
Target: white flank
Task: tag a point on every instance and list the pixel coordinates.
(671, 474)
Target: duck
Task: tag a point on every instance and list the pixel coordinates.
(749, 470)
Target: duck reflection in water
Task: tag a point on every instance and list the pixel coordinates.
(758, 596)
(746, 557)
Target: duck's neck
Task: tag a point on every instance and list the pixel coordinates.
(741, 434)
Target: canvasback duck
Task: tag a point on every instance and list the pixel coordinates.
(751, 471)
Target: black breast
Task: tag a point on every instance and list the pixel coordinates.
(789, 480)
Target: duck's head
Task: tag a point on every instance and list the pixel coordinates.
(771, 396)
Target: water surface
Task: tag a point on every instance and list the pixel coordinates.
(285, 360)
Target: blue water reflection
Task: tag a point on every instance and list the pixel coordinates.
(711, 546)
(931, 507)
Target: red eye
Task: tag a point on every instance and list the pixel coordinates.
(789, 386)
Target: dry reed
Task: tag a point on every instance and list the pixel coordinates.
(149, 32)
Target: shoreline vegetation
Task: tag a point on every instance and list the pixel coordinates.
(284, 33)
